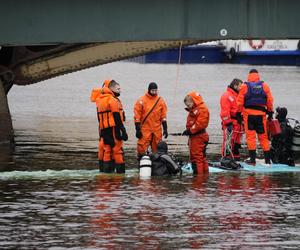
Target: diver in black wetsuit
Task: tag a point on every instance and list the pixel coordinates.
(281, 144)
(162, 163)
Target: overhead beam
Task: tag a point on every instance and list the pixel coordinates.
(33, 22)
(84, 56)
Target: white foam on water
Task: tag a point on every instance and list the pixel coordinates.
(48, 174)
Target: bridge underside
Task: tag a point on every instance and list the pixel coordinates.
(33, 22)
(43, 39)
(22, 65)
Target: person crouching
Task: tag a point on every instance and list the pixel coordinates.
(281, 144)
(162, 163)
(196, 124)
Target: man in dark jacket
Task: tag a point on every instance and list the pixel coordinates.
(281, 151)
(162, 163)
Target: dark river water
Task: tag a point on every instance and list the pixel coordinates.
(52, 196)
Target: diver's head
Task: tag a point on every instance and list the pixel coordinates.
(281, 113)
(162, 146)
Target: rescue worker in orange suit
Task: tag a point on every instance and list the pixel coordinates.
(256, 101)
(96, 92)
(197, 122)
(230, 126)
(150, 116)
(111, 119)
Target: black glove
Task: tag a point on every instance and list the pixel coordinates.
(165, 128)
(270, 115)
(120, 130)
(186, 132)
(229, 127)
(118, 134)
(124, 134)
(138, 132)
(239, 118)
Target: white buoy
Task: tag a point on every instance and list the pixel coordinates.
(145, 166)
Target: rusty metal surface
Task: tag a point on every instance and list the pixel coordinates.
(47, 64)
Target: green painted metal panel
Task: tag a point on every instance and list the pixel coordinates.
(79, 21)
(215, 17)
(275, 18)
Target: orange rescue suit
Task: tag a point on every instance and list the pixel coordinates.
(96, 92)
(94, 95)
(228, 103)
(151, 123)
(107, 104)
(255, 120)
(196, 124)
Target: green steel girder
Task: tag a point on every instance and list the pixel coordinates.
(38, 22)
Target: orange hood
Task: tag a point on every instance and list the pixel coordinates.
(253, 77)
(105, 83)
(197, 98)
(106, 91)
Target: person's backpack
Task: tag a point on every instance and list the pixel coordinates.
(163, 164)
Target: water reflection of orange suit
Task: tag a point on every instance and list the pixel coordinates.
(148, 218)
(197, 122)
(243, 188)
(104, 225)
(150, 125)
(114, 212)
(195, 218)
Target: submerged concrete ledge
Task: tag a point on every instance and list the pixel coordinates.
(6, 128)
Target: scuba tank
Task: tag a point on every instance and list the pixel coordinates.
(296, 138)
(145, 166)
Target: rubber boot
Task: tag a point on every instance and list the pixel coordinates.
(205, 167)
(101, 166)
(237, 158)
(108, 167)
(252, 155)
(267, 157)
(236, 151)
(120, 168)
(194, 167)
